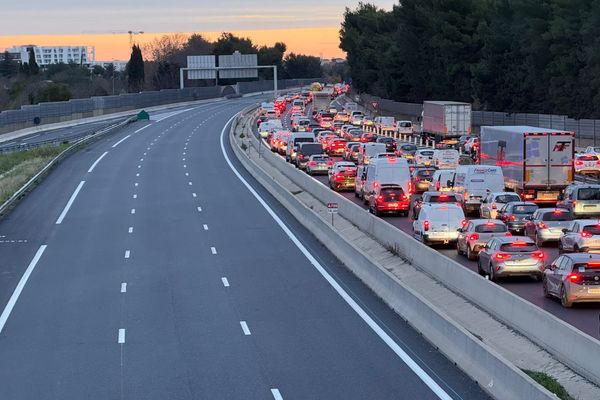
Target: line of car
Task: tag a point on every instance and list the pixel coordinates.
(505, 238)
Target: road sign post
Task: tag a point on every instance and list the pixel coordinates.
(332, 208)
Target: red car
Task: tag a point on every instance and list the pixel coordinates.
(389, 199)
(336, 147)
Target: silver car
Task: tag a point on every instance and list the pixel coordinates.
(493, 201)
(573, 278)
(547, 224)
(477, 232)
(583, 200)
(511, 256)
(318, 164)
(584, 237)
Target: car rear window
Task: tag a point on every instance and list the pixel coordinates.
(425, 173)
(518, 247)
(449, 198)
(427, 153)
(405, 124)
(583, 267)
(321, 158)
(524, 209)
(491, 228)
(588, 158)
(557, 216)
(593, 229)
(355, 147)
(392, 194)
(409, 147)
(588, 194)
(385, 140)
(507, 198)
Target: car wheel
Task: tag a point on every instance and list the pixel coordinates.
(563, 298)
(458, 250)
(493, 277)
(538, 241)
(355, 194)
(575, 249)
(560, 248)
(376, 212)
(479, 269)
(545, 289)
(470, 255)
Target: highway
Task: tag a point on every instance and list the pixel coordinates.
(583, 316)
(150, 265)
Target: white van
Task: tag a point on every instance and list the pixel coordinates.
(295, 139)
(445, 159)
(404, 127)
(441, 181)
(369, 150)
(474, 182)
(438, 223)
(382, 171)
(268, 127)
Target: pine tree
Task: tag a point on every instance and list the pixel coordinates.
(34, 68)
(135, 70)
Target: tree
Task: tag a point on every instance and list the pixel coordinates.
(34, 68)
(301, 66)
(135, 70)
(8, 67)
(271, 56)
(228, 43)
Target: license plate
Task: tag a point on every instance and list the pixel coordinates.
(594, 291)
(547, 195)
(393, 204)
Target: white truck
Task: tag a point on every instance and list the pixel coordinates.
(445, 120)
(322, 100)
(537, 163)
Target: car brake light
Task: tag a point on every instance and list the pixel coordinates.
(502, 256)
(301, 156)
(574, 278)
(443, 197)
(519, 244)
(339, 177)
(538, 254)
(410, 188)
(597, 162)
(474, 237)
(464, 222)
(513, 218)
(380, 197)
(466, 195)
(437, 185)
(403, 197)
(494, 206)
(426, 225)
(489, 223)
(329, 162)
(508, 234)
(586, 234)
(312, 163)
(578, 162)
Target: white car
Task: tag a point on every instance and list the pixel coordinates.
(439, 223)
(592, 150)
(493, 201)
(423, 157)
(587, 164)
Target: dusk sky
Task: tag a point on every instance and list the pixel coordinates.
(97, 22)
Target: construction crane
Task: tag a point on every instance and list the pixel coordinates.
(131, 34)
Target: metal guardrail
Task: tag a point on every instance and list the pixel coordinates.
(37, 178)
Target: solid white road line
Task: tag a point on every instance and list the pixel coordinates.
(127, 253)
(97, 161)
(225, 282)
(213, 250)
(17, 292)
(245, 328)
(124, 287)
(205, 227)
(130, 229)
(142, 128)
(121, 141)
(64, 212)
(121, 339)
(435, 388)
(276, 394)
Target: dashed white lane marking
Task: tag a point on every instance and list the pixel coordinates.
(69, 203)
(139, 166)
(187, 174)
(425, 378)
(141, 159)
(121, 141)
(121, 338)
(136, 184)
(190, 183)
(199, 209)
(205, 227)
(135, 196)
(245, 328)
(138, 174)
(142, 128)
(133, 210)
(145, 153)
(130, 229)
(17, 292)
(183, 159)
(124, 287)
(213, 250)
(194, 195)
(127, 253)
(225, 282)
(184, 166)
(276, 394)
(97, 161)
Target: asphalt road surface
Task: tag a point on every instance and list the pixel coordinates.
(144, 268)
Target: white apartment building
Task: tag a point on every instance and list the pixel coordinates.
(45, 55)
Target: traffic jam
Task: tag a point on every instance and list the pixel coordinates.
(504, 203)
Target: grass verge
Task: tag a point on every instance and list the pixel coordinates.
(549, 383)
(19, 167)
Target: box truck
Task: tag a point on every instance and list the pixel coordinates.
(445, 120)
(537, 163)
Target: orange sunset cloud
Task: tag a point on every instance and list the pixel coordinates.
(321, 42)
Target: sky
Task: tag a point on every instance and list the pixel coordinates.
(307, 26)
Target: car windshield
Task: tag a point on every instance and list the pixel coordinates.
(392, 194)
(409, 147)
(593, 229)
(507, 198)
(524, 209)
(518, 247)
(557, 215)
(491, 228)
(588, 194)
